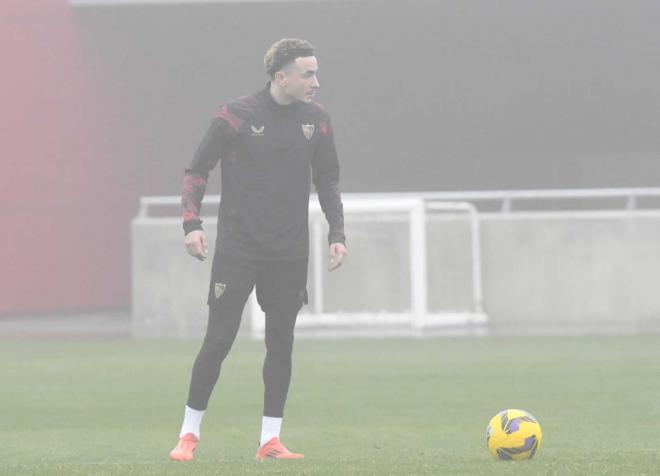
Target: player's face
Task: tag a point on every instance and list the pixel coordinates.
(300, 79)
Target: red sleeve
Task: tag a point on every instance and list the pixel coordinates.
(214, 146)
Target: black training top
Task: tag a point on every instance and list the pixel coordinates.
(269, 153)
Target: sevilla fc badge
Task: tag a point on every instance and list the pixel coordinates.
(308, 130)
(219, 289)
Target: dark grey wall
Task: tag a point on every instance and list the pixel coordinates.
(443, 95)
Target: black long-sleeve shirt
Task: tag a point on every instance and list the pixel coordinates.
(269, 155)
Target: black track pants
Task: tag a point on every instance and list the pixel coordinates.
(281, 291)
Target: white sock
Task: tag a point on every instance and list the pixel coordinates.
(191, 422)
(270, 428)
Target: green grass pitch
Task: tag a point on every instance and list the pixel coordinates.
(356, 406)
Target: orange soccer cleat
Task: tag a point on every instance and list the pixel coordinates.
(185, 449)
(275, 449)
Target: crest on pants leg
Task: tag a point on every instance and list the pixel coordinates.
(219, 289)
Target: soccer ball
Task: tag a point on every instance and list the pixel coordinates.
(513, 435)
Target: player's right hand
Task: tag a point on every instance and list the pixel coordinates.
(196, 244)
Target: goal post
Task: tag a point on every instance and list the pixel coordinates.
(336, 306)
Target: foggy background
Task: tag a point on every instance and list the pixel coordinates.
(548, 305)
(104, 104)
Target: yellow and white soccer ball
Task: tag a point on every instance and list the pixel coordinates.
(513, 435)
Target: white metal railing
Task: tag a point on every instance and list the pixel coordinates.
(506, 197)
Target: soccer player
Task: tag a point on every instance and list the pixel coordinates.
(271, 145)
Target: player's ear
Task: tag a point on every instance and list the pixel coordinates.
(280, 79)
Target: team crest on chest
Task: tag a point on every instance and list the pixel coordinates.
(257, 131)
(308, 130)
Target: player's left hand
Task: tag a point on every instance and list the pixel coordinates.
(337, 254)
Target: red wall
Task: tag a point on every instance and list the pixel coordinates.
(63, 244)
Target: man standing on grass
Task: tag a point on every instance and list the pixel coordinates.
(270, 145)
